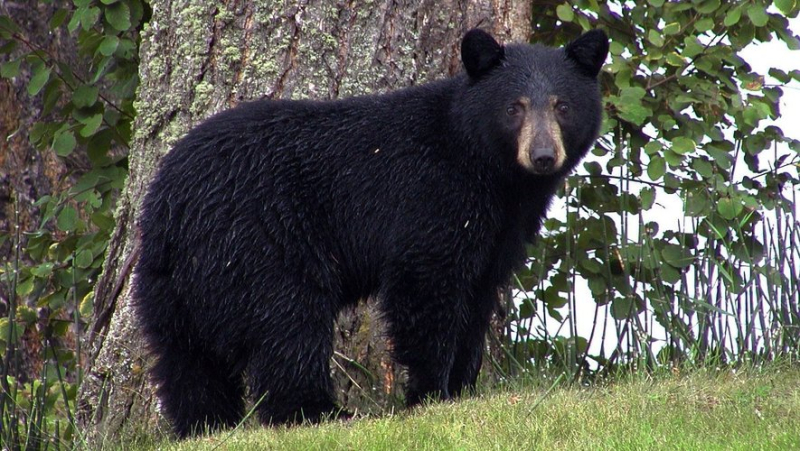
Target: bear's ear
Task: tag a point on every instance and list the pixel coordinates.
(589, 51)
(480, 53)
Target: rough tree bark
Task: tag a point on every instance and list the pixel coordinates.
(198, 58)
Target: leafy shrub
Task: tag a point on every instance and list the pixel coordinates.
(87, 115)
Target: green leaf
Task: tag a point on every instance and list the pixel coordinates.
(654, 36)
(696, 204)
(669, 274)
(85, 96)
(704, 25)
(634, 112)
(108, 2)
(137, 12)
(18, 329)
(38, 80)
(786, 7)
(527, 309)
(677, 256)
(87, 304)
(597, 285)
(721, 157)
(632, 93)
(26, 286)
(89, 17)
(729, 208)
(656, 3)
(101, 68)
(553, 313)
(66, 73)
(43, 270)
(657, 168)
(591, 265)
(648, 197)
(757, 14)
(674, 59)
(109, 45)
(58, 18)
(119, 16)
(8, 25)
(652, 147)
(630, 105)
(92, 124)
(10, 69)
(64, 143)
(672, 28)
(692, 48)
(732, 17)
(98, 146)
(565, 13)
(593, 168)
(75, 20)
(672, 158)
(708, 7)
(67, 219)
(791, 39)
(702, 167)
(779, 75)
(38, 131)
(753, 114)
(26, 315)
(683, 145)
(622, 307)
(8, 47)
(104, 222)
(615, 48)
(83, 259)
(51, 96)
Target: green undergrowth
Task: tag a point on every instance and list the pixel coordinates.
(702, 409)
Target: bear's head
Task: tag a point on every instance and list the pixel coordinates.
(541, 105)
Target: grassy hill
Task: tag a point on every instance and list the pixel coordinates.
(703, 410)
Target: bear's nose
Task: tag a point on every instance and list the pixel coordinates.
(543, 164)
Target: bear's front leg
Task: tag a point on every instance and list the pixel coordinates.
(471, 342)
(425, 313)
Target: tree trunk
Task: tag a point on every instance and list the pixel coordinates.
(199, 58)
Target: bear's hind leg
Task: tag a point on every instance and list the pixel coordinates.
(289, 372)
(197, 391)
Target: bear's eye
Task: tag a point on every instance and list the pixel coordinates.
(562, 108)
(515, 109)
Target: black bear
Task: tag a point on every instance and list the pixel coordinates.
(269, 218)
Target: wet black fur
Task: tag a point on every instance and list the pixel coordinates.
(267, 219)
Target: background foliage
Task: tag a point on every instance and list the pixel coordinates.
(86, 114)
(685, 130)
(683, 226)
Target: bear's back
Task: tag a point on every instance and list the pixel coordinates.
(297, 178)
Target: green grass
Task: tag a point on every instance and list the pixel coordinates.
(703, 410)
